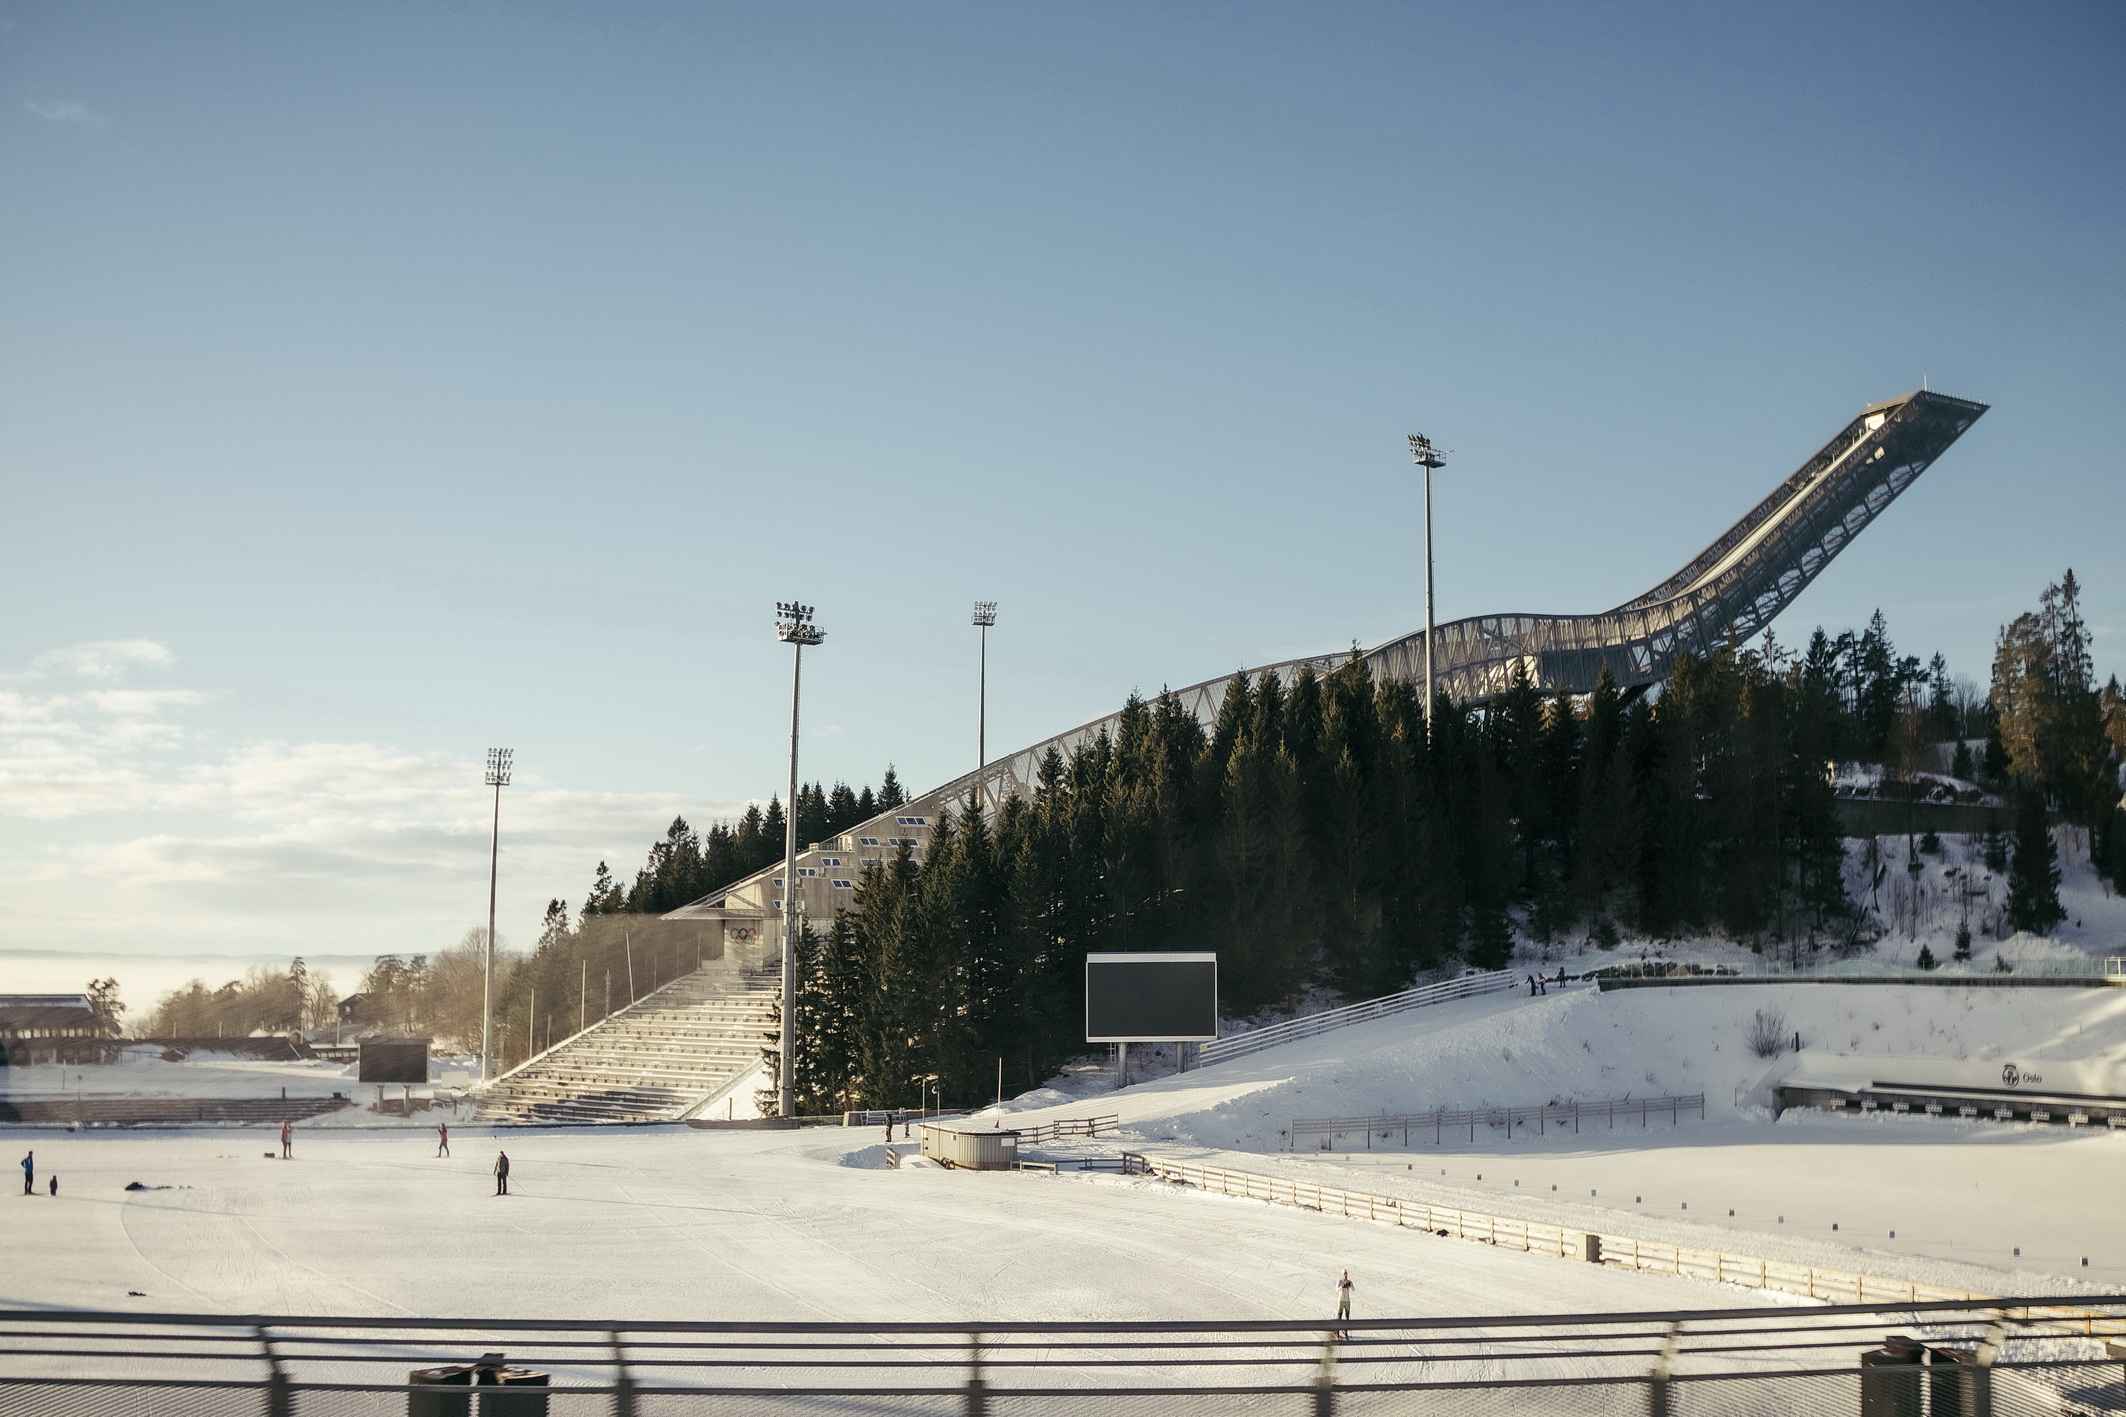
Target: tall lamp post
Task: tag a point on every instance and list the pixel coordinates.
(985, 615)
(1427, 457)
(497, 778)
(794, 627)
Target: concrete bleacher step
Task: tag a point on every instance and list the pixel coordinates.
(651, 1061)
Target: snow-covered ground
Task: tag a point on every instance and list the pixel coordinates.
(1962, 1197)
(678, 1223)
(730, 1225)
(1908, 910)
(685, 1223)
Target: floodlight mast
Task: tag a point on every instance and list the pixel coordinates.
(794, 627)
(497, 778)
(1427, 457)
(985, 615)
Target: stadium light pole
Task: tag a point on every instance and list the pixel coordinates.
(1427, 457)
(985, 615)
(794, 627)
(497, 778)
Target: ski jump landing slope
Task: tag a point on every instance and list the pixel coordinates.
(1726, 594)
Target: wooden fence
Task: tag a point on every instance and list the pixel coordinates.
(1832, 1286)
(1066, 1127)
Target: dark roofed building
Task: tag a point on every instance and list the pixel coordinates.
(49, 1028)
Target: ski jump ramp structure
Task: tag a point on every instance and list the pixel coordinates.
(1724, 596)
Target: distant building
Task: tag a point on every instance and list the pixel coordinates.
(49, 1028)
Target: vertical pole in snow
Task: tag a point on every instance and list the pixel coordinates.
(583, 993)
(786, 1041)
(1000, 1092)
(497, 778)
(1427, 457)
(627, 944)
(1121, 1066)
(1430, 682)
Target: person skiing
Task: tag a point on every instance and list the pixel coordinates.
(287, 1139)
(54, 1184)
(1531, 986)
(1343, 1300)
(29, 1174)
(442, 1139)
(501, 1173)
(1542, 983)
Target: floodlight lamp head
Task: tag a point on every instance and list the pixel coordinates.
(985, 612)
(1424, 454)
(793, 624)
(498, 767)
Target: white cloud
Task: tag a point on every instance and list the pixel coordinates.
(123, 825)
(65, 110)
(99, 659)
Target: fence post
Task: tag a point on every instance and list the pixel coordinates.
(1325, 1377)
(280, 1402)
(623, 1385)
(1664, 1364)
(977, 1390)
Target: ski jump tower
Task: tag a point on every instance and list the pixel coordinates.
(1724, 596)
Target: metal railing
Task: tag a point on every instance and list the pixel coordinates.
(1657, 974)
(1438, 1121)
(1729, 1360)
(1467, 986)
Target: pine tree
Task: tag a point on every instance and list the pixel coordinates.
(1993, 845)
(553, 930)
(2034, 871)
(890, 792)
(604, 897)
(843, 810)
(107, 1006)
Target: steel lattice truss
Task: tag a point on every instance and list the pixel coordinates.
(1727, 593)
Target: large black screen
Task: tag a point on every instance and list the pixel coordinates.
(1151, 998)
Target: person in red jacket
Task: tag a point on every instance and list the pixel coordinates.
(287, 1140)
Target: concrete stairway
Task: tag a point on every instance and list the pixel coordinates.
(668, 1052)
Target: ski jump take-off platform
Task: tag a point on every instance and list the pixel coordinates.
(1726, 594)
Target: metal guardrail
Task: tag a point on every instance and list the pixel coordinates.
(2094, 973)
(1616, 1251)
(1467, 986)
(1727, 1360)
(1329, 1128)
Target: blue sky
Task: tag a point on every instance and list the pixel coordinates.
(385, 382)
